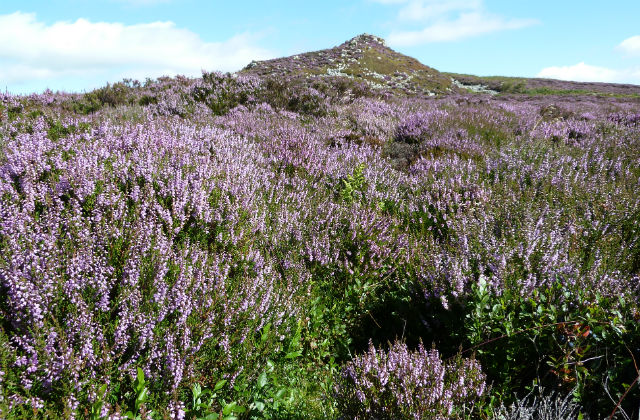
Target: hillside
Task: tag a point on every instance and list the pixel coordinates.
(363, 58)
(288, 242)
(368, 59)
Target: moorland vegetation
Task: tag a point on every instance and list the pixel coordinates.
(314, 244)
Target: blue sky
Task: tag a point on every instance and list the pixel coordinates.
(77, 45)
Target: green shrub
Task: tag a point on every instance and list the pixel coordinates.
(556, 339)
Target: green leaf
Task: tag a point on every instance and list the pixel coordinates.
(196, 390)
(142, 396)
(293, 354)
(233, 407)
(140, 376)
(220, 384)
(201, 406)
(102, 390)
(265, 332)
(262, 380)
(280, 394)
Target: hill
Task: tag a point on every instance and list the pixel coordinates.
(368, 59)
(364, 58)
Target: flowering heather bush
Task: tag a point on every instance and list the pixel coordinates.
(625, 119)
(404, 384)
(222, 92)
(419, 127)
(134, 224)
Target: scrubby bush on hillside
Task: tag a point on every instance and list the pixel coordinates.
(403, 384)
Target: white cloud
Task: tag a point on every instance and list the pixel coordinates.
(582, 72)
(446, 20)
(630, 45)
(465, 26)
(107, 50)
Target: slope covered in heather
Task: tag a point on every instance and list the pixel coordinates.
(298, 245)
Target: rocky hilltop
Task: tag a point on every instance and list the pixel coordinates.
(364, 58)
(367, 58)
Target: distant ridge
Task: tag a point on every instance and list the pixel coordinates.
(364, 58)
(538, 86)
